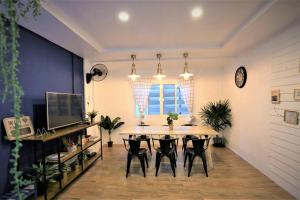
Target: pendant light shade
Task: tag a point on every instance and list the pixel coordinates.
(159, 74)
(186, 74)
(133, 76)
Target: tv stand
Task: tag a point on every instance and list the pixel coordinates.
(51, 190)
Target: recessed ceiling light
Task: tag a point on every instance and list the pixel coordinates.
(123, 16)
(196, 12)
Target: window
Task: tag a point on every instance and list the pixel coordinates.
(154, 100)
(165, 98)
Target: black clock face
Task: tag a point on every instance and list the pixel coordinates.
(240, 77)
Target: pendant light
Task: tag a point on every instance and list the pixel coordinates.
(186, 74)
(133, 76)
(159, 75)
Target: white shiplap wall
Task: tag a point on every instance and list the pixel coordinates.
(285, 138)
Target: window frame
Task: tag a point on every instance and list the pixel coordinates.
(161, 99)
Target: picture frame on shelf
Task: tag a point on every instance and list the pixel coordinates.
(291, 117)
(26, 127)
(275, 96)
(297, 94)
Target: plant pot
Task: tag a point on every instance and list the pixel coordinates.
(40, 187)
(219, 142)
(92, 120)
(171, 127)
(110, 143)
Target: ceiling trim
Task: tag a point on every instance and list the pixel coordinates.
(248, 22)
(156, 49)
(165, 59)
(59, 15)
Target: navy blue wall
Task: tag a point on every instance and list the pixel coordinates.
(44, 67)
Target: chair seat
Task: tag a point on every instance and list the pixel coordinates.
(158, 150)
(143, 137)
(141, 151)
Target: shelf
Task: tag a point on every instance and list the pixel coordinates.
(60, 132)
(69, 177)
(53, 189)
(87, 163)
(72, 154)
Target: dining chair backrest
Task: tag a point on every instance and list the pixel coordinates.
(166, 145)
(199, 145)
(134, 145)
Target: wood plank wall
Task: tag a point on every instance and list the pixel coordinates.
(285, 138)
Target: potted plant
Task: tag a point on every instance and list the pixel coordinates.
(217, 115)
(110, 125)
(36, 174)
(170, 118)
(92, 115)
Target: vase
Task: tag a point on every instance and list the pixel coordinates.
(171, 126)
(92, 120)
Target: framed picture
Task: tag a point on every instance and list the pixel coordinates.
(26, 128)
(297, 94)
(275, 96)
(291, 117)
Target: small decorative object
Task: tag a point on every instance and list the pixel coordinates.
(26, 128)
(217, 115)
(291, 117)
(142, 117)
(69, 144)
(275, 96)
(110, 125)
(170, 118)
(92, 115)
(297, 94)
(240, 77)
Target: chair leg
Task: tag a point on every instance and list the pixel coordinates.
(149, 146)
(172, 161)
(129, 157)
(191, 160)
(145, 157)
(185, 158)
(174, 158)
(175, 147)
(141, 158)
(204, 163)
(158, 159)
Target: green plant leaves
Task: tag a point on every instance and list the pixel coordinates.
(109, 124)
(217, 115)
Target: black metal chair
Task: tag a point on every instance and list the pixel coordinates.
(135, 150)
(144, 138)
(174, 144)
(186, 138)
(199, 148)
(166, 149)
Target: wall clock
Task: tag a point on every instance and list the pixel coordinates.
(240, 77)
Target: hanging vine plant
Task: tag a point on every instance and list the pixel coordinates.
(11, 12)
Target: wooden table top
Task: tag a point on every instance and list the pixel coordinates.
(164, 130)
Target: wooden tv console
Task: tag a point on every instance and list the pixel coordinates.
(53, 189)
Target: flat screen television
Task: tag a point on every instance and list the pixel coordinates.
(63, 109)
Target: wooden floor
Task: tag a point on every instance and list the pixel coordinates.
(231, 178)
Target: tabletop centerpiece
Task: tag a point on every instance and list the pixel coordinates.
(171, 117)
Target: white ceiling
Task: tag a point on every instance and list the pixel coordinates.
(91, 28)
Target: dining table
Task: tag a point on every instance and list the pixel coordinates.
(178, 131)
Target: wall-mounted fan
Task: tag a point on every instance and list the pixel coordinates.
(97, 73)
